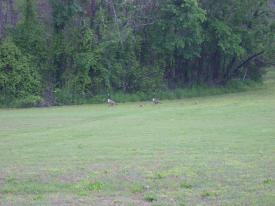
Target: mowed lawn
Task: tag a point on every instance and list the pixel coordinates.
(217, 150)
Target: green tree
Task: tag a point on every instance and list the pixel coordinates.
(18, 76)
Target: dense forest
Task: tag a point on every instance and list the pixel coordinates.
(64, 50)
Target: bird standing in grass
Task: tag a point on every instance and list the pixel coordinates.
(111, 102)
(155, 101)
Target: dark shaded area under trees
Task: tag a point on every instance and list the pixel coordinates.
(82, 48)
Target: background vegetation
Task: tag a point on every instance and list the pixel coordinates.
(68, 51)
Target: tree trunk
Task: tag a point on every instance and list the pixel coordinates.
(1, 19)
(216, 67)
(93, 8)
(229, 68)
(12, 13)
(249, 59)
(244, 63)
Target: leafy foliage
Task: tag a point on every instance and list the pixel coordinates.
(86, 48)
(18, 77)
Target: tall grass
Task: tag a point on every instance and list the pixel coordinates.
(179, 93)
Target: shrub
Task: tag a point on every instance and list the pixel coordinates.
(18, 76)
(63, 96)
(29, 101)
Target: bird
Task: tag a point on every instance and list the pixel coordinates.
(111, 102)
(155, 101)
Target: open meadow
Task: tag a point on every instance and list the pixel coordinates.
(217, 150)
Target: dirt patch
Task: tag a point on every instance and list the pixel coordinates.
(58, 200)
(72, 177)
(2, 178)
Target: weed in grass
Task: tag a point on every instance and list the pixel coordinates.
(209, 194)
(80, 146)
(33, 187)
(150, 197)
(186, 185)
(96, 186)
(38, 197)
(83, 188)
(11, 180)
(160, 176)
(137, 188)
(82, 193)
(267, 182)
(117, 202)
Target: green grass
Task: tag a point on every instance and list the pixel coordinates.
(215, 150)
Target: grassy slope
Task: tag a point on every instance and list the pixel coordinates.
(203, 151)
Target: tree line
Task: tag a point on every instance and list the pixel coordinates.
(83, 48)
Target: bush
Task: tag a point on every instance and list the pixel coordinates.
(63, 97)
(29, 101)
(18, 76)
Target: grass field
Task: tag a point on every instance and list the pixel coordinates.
(217, 150)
